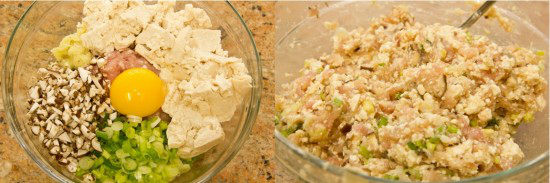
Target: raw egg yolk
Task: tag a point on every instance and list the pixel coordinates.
(137, 91)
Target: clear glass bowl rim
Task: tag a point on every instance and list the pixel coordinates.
(524, 166)
(253, 106)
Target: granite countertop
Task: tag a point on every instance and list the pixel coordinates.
(253, 163)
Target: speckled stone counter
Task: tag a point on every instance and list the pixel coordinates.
(253, 163)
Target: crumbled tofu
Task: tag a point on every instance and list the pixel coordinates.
(116, 25)
(192, 133)
(154, 43)
(206, 40)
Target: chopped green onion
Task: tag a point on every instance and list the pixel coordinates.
(473, 123)
(127, 147)
(117, 126)
(116, 136)
(171, 171)
(286, 132)
(105, 154)
(492, 122)
(440, 129)
(364, 152)
(144, 170)
(368, 106)
(85, 163)
(109, 131)
(381, 64)
(133, 124)
(415, 174)
(390, 177)
(80, 172)
(430, 146)
(398, 95)
(121, 177)
(134, 152)
(323, 96)
(435, 140)
(120, 118)
(129, 164)
(443, 54)
(157, 133)
(155, 122)
(276, 120)
(102, 135)
(163, 125)
(452, 128)
(337, 102)
(420, 144)
(129, 132)
(528, 117)
(185, 168)
(382, 121)
(98, 162)
(412, 146)
(135, 119)
(121, 154)
(540, 53)
(138, 176)
(469, 37)
(158, 147)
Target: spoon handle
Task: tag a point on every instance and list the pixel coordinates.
(476, 15)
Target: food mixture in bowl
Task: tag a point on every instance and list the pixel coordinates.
(137, 93)
(411, 102)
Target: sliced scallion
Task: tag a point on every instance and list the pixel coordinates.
(117, 126)
(85, 163)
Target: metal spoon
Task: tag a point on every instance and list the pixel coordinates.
(476, 15)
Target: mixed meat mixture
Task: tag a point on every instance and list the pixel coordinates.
(406, 101)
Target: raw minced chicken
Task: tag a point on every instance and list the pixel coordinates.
(403, 100)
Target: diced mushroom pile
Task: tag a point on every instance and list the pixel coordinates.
(64, 105)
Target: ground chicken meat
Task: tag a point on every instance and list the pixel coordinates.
(403, 100)
(119, 61)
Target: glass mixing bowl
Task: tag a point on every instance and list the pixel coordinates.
(301, 35)
(44, 24)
